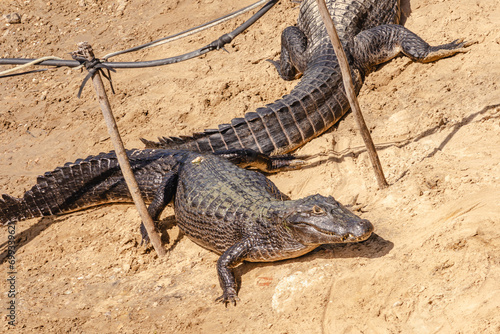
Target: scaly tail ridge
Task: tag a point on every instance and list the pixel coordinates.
(74, 186)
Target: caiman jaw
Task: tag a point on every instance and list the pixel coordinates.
(360, 232)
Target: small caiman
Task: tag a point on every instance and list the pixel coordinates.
(370, 35)
(237, 213)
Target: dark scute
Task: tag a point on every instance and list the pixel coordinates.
(9, 199)
(251, 116)
(198, 135)
(263, 111)
(224, 127)
(177, 140)
(211, 131)
(237, 121)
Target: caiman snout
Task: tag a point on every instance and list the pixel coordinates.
(361, 231)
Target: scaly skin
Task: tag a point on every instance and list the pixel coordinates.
(369, 32)
(237, 213)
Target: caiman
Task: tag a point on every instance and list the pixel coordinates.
(370, 34)
(237, 213)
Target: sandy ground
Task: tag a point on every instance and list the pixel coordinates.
(433, 264)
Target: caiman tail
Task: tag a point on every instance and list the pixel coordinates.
(85, 183)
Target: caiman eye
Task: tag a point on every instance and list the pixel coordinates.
(317, 210)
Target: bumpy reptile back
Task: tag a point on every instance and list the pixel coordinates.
(350, 17)
(212, 194)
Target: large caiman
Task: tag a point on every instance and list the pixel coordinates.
(237, 213)
(370, 34)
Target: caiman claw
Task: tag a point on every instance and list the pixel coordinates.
(229, 296)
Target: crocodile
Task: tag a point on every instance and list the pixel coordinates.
(237, 213)
(370, 34)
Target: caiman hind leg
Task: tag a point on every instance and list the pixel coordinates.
(161, 199)
(380, 44)
(292, 61)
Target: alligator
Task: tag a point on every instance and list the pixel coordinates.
(237, 213)
(370, 34)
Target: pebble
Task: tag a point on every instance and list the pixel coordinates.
(12, 18)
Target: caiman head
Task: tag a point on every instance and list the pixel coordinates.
(316, 220)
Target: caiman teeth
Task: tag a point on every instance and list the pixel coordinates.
(346, 236)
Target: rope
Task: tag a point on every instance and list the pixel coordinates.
(26, 65)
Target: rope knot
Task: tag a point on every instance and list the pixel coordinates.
(93, 65)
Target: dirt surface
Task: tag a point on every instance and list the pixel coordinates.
(433, 265)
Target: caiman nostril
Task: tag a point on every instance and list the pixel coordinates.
(365, 226)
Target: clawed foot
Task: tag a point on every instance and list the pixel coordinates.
(461, 44)
(144, 235)
(293, 76)
(447, 50)
(280, 163)
(229, 296)
(276, 64)
(263, 162)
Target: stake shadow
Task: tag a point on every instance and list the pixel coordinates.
(354, 152)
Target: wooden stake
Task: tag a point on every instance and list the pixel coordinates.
(351, 94)
(86, 50)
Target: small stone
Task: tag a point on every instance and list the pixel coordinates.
(121, 7)
(197, 160)
(12, 18)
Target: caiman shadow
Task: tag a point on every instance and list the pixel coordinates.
(373, 247)
(28, 235)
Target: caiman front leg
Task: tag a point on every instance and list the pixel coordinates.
(233, 256)
(163, 196)
(380, 44)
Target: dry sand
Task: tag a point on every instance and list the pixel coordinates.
(433, 265)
